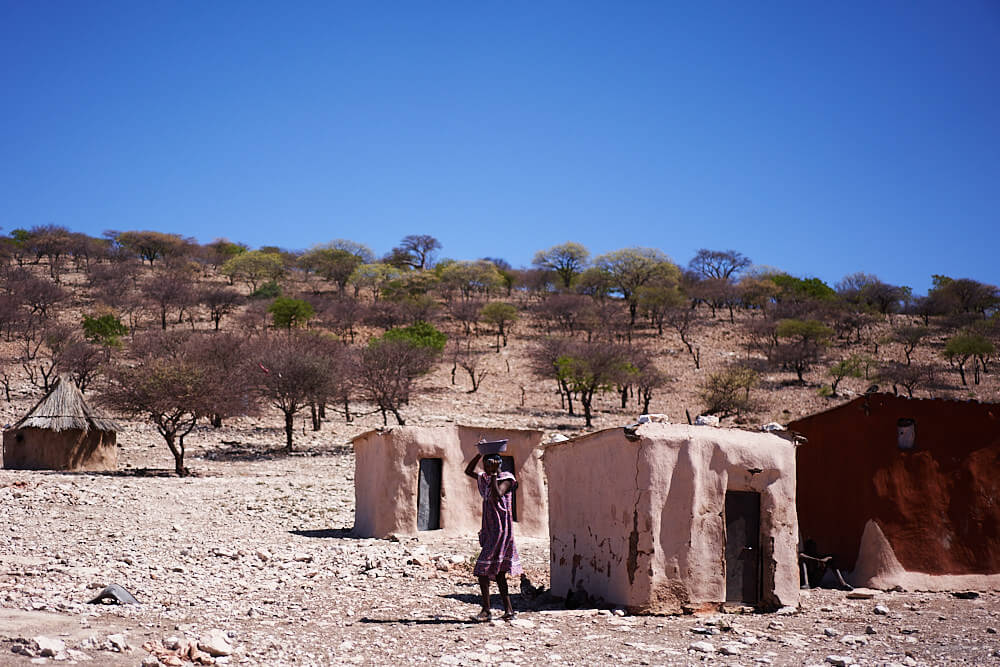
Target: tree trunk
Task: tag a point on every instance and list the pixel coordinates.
(163, 318)
(289, 427)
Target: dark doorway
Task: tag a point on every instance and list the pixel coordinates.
(507, 465)
(429, 495)
(743, 560)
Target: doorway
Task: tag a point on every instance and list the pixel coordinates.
(429, 495)
(743, 559)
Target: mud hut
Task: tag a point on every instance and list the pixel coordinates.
(61, 432)
(666, 518)
(410, 479)
(903, 492)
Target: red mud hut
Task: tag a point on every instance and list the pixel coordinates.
(904, 492)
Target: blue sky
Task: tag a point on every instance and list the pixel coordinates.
(820, 138)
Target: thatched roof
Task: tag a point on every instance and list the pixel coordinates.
(63, 409)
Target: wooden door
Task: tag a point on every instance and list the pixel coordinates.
(743, 561)
(429, 495)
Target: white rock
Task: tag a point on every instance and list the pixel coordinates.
(773, 426)
(881, 610)
(215, 643)
(854, 640)
(839, 660)
(49, 646)
(706, 420)
(702, 647)
(264, 555)
(830, 632)
(656, 417)
(171, 643)
(730, 649)
(118, 643)
(150, 661)
(522, 623)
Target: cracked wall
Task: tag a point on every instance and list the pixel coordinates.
(641, 523)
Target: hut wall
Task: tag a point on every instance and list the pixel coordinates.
(44, 449)
(641, 523)
(935, 504)
(387, 464)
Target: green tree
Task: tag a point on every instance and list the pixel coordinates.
(471, 279)
(964, 346)
(502, 316)
(332, 264)
(909, 337)
(288, 312)
(802, 343)
(802, 289)
(632, 268)
(853, 366)
(568, 260)
(591, 367)
(373, 277)
(254, 267)
(105, 329)
(150, 246)
(420, 335)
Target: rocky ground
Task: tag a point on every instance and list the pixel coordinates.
(251, 562)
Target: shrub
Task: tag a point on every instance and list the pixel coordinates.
(269, 290)
(288, 313)
(106, 329)
(728, 392)
(419, 335)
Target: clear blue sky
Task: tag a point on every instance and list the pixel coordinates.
(822, 138)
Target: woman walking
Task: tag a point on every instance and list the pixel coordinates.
(499, 555)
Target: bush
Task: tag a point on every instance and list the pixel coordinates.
(728, 392)
(288, 313)
(419, 335)
(269, 290)
(106, 329)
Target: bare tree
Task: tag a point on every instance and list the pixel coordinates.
(719, 264)
(471, 361)
(418, 249)
(388, 369)
(169, 384)
(293, 371)
(683, 321)
(168, 289)
(220, 301)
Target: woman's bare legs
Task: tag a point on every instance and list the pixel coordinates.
(484, 590)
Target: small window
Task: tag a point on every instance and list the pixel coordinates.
(906, 433)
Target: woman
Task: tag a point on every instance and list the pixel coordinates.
(499, 555)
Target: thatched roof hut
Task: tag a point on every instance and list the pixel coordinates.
(61, 432)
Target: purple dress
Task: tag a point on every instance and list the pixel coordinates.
(499, 554)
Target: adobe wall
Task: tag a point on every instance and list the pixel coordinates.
(641, 523)
(387, 464)
(935, 505)
(42, 449)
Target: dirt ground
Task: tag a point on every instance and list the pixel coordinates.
(257, 546)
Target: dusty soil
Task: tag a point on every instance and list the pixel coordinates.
(257, 545)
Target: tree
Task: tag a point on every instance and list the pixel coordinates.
(502, 316)
(168, 289)
(802, 343)
(417, 250)
(220, 302)
(647, 377)
(801, 289)
(657, 302)
(908, 376)
(853, 366)
(331, 264)
(964, 295)
(221, 251)
(470, 361)
(683, 320)
(150, 246)
(719, 264)
(373, 277)
(254, 267)
(964, 346)
(170, 383)
(387, 371)
(471, 279)
(587, 368)
(728, 392)
(567, 260)
(909, 337)
(631, 268)
(288, 313)
(294, 371)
